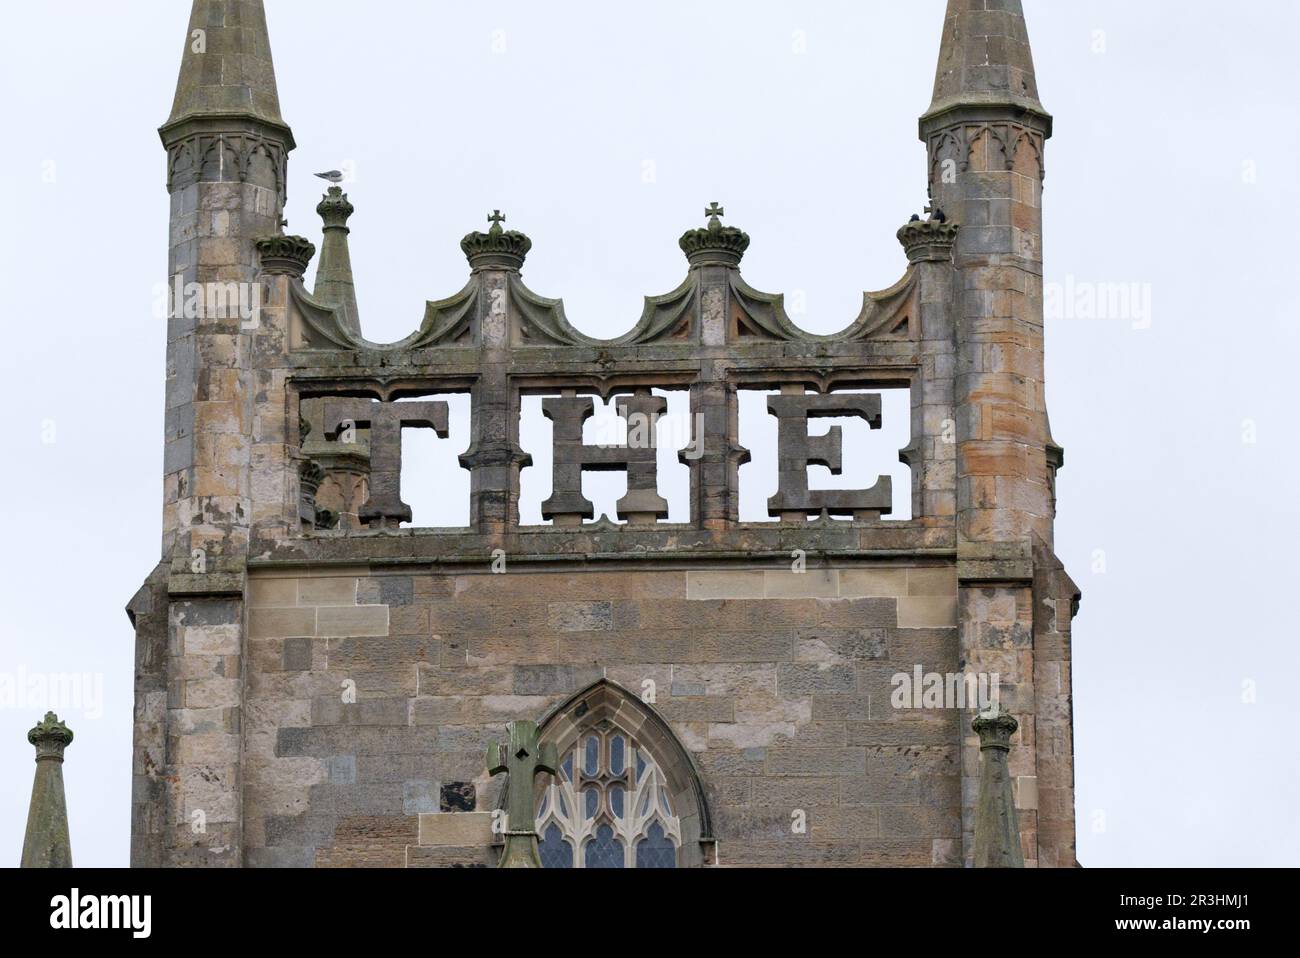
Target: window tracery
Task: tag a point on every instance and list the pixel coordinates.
(608, 807)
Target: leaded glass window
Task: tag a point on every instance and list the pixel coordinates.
(609, 807)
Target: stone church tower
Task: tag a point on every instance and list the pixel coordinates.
(318, 683)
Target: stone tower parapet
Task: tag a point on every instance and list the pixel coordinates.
(318, 680)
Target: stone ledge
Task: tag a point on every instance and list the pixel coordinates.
(207, 584)
(456, 829)
(995, 571)
(449, 856)
(893, 582)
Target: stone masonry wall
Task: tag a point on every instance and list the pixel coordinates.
(777, 683)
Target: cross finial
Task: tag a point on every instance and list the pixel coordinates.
(523, 757)
(714, 211)
(496, 219)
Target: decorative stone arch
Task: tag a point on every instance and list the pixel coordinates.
(606, 701)
(1028, 150)
(984, 143)
(268, 165)
(184, 167)
(946, 146)
(216, 156)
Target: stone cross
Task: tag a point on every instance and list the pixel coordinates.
(796, 451)
(386, 420)
(639, 457)
(496, 219)
(715, 211)
(522, 758)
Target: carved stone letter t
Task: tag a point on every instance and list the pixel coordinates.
(385, 508)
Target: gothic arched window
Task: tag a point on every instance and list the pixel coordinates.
(609, 807)
(627, 794)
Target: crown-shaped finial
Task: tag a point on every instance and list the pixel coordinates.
(51, 737)
(714, 245)
(995, 728)
(498, 248)
(929, 240)
(285, 254)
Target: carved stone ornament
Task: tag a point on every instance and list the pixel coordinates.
(334, 208)
(928, 240)
(715, 244)
(521, 758)
(285, 255)
(796, 451)
(498, 248)
(638, 456)
(51, 737)
(385, 420)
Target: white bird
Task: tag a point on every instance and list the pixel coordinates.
(334, 176)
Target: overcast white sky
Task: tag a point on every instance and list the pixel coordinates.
(1173, 167)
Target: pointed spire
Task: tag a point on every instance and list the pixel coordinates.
(997, 829)
(47, 844)
(334, 283)
(985, 58)
(226, 70)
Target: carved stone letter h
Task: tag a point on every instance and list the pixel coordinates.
(567, 505)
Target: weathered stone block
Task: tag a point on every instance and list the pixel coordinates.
(450, 856)
(419, 797)
(726, 585)
(456, 828)
(281, 623)
(800, 681)
(352, 621)
(327, 591)
(813, 584)
(297, 655)
(457, 797)
(341, 769)
(816, 761)
(873, 583)
(580, 616)
(927, 612)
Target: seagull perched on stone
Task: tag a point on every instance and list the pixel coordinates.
(334, 176)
